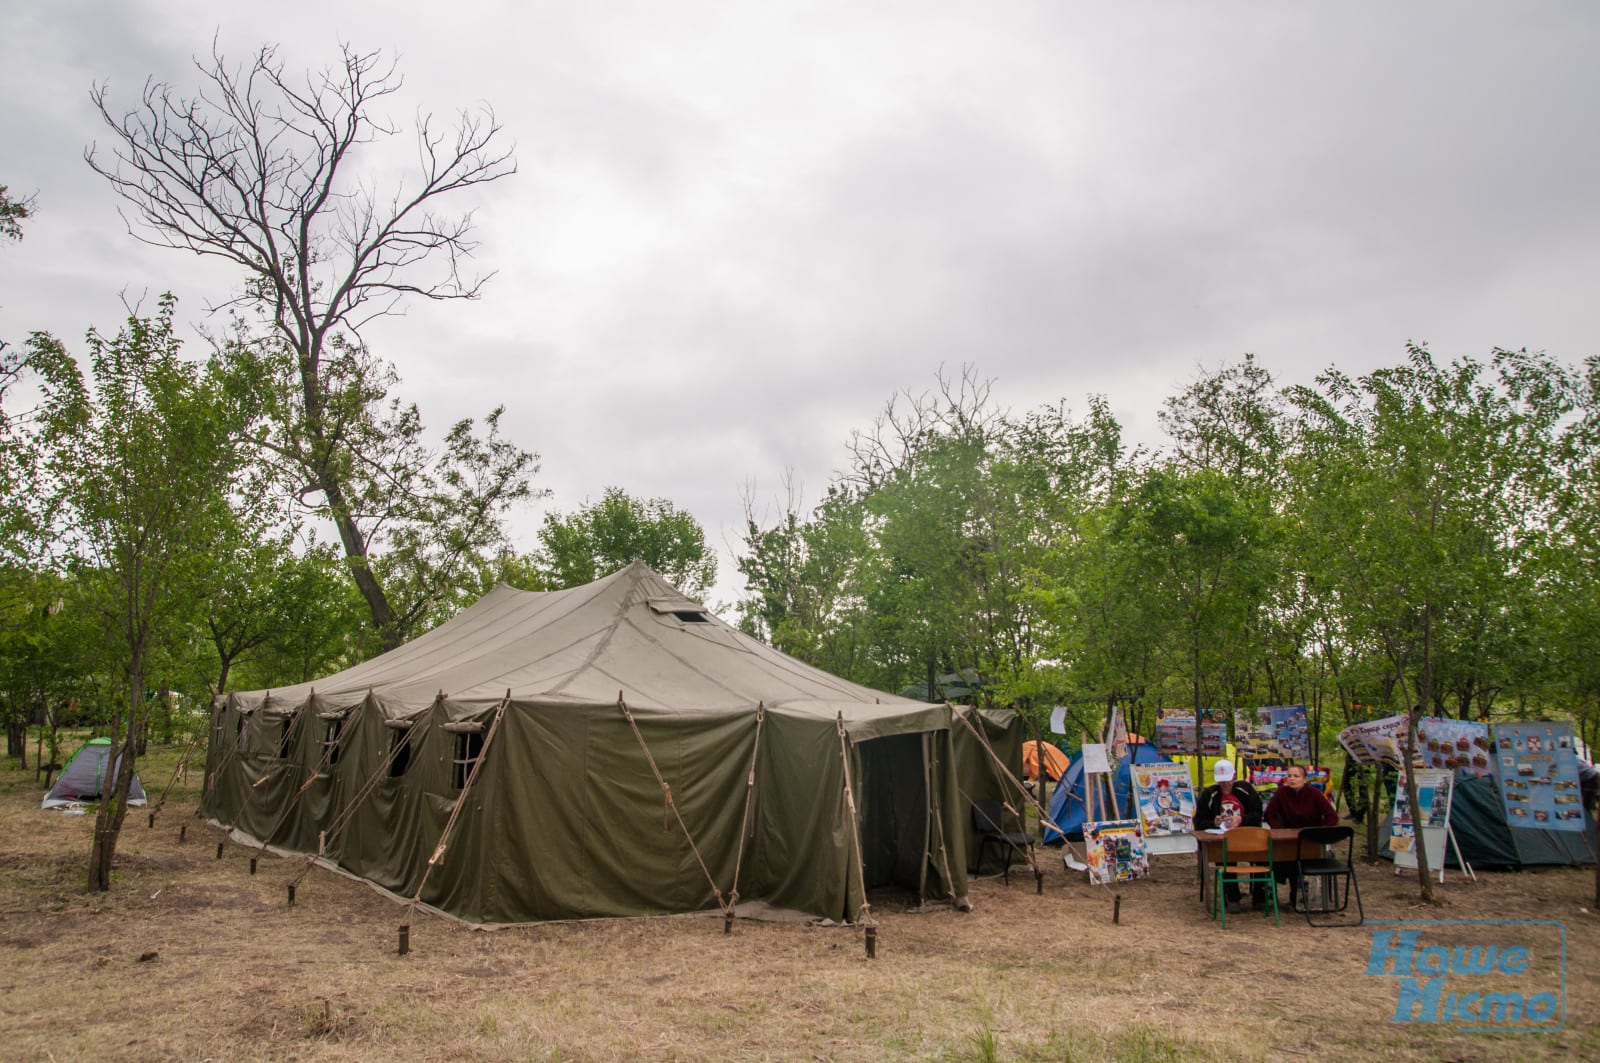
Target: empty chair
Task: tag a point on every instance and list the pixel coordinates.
(1333, 896)
(988, 819)
(1247, 860)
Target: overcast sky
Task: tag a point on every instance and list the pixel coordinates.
(738, 229)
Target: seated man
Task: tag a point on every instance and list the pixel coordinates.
(1296, 804)
(1224, 806)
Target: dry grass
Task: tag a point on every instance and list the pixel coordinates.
(236, 974)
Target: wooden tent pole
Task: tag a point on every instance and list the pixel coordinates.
(455, 813)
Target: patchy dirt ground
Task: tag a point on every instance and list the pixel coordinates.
(190, 957)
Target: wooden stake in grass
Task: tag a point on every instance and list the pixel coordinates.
(291, 894)
(872, 942)
(1116, 908)
(405, 938)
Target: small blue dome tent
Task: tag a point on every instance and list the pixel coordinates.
(1066, 801)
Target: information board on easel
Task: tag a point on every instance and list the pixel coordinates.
(1164, 797)
(1113, 846)
(1427, 818)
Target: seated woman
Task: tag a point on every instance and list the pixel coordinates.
(1295, 804)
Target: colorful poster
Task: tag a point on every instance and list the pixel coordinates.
(1266, 778)
(1378, 741)
(1253, 735)
(1165, 796)
(1279, 731)
(1538, 775)
(1427, 818)
(1292, 730)
(1175, 735)
(1115, 851)
(1453, 744)
(1432, 811)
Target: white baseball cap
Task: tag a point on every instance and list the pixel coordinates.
(1223, 772)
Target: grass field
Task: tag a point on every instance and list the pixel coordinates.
(192, 958)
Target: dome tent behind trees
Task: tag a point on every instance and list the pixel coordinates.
(563, 713)
(86, 775)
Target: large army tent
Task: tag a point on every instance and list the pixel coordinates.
(610, 750)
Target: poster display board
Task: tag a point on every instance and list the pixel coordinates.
(1539, 775)
(1453, 744)
(1279, 731)
(1375, 742)
(1428, 815)
(1253, 736)
(1115, 851)
(1175, 735)
(1165, 798)
(1269, 778)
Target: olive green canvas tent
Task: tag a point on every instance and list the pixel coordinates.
(610, 750)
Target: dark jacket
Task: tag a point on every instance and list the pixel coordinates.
(1306, 807)
(1210, 806)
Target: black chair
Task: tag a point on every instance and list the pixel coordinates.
(988, 819)
(1328, 870)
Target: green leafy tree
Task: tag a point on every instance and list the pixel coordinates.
(13, 212)
(264, 170)
(1428, 485)
(603, 536)
(137, 458)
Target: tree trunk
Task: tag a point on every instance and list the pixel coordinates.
(17, 739)
(384, 621)
(114, 806)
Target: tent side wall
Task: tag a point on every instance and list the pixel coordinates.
(567, 820)
(584, 827)
(803, 853)
(978, 777)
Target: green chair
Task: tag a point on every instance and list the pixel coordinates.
(1246, 861)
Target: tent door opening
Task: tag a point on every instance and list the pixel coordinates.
(893, 806)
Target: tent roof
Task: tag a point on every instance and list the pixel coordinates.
(631, 633)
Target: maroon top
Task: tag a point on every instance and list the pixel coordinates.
(1305, 807)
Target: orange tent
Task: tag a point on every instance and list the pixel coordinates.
(1055, 761)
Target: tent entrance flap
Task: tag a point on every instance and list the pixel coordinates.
(893, 800)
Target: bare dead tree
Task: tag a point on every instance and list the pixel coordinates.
(956, 406)
(261, 169)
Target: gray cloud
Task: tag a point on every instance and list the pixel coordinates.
(739, 229)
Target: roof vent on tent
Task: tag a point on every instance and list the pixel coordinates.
(686, 610)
